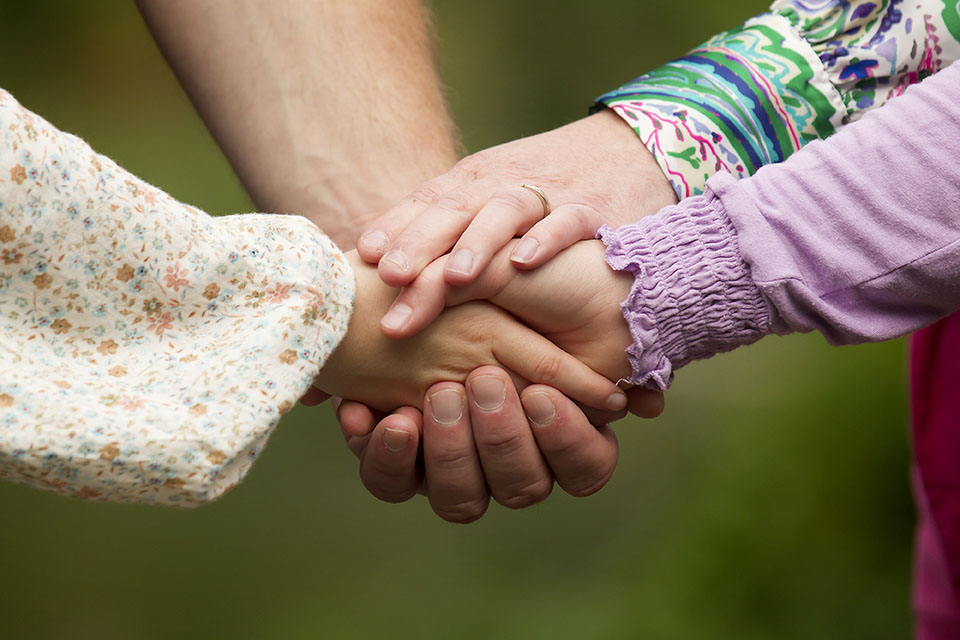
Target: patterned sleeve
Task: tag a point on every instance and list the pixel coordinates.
(147, 349)
(756, 94)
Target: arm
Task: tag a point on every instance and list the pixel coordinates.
(148, 349)
(856, 237)
(332, 110)
(748, 97)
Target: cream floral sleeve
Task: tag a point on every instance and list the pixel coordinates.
(147, 350)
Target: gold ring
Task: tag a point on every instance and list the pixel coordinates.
(537, 191)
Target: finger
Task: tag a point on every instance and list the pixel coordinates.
(506, 214)
(582, 457)
(598, 418)
(431, 234)
(418, 304)
(388, 465)
(534, 358)
(313, 397)
(645, 403)
(356, 419)
(517, 474)
(564, 227)
(454, 478)
(378, 235)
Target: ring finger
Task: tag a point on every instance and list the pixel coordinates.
(507, 214)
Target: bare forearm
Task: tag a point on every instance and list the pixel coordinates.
(328, 109)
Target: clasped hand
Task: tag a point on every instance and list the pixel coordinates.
(517, 448)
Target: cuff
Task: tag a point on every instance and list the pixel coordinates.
(693, 295)
(746, 98)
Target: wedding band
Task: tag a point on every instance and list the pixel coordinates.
(537, 191)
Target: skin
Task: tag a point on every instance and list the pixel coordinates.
(389, 373)
(316, 104)
(594, 171)
(574, 300)
(346, 61)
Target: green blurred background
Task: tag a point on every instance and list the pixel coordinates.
(770, 500)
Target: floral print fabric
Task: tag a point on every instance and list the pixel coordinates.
(755, 95)
(147, 349)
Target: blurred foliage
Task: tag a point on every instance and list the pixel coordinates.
(771, 500)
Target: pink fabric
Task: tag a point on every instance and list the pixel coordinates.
(935, 385)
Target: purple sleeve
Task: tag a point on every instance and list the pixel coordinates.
(857, 237)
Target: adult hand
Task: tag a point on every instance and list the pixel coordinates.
(480, 440)
(594, 171)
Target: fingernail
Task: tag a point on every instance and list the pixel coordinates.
(539, 408)
(488, 392)
(446, 406)
(396, 258)
(374, 240)
(617, 401)
(525, 250)
(396, 317)
(461, 262)
(396, 439)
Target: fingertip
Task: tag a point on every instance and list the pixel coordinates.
(394, 322)
(313, 397)
(398, 432)
(356, 419)
(645, 403)
(460, 267)
(539, 406)
(525, 252)
(372, 245)
(394, 269)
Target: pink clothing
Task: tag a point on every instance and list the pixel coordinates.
(857, 237)
(935, 382)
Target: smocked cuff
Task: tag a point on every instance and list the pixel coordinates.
(692, 296)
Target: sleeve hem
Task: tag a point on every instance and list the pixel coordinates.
(693, 295)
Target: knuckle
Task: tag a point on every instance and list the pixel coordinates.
(510, 200)
(547, 369)
(450, 459)
(454, 201)
(387, 487)
(393, 496)
(582, 213)
(426, 193)
(501, 443)
(462, 512)
(587, 484)
(526, 495)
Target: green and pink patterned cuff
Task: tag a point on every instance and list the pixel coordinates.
(756, 94)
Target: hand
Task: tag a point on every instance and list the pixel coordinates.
(472, 450)
(572, 449)
(594, 171)
(386, 373)
(574, 300)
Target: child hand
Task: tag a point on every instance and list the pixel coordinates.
(386, 373)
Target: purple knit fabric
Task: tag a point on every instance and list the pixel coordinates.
(857, 237)
(692, 295)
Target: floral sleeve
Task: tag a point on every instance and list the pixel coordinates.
(756, 94)
(147, 349)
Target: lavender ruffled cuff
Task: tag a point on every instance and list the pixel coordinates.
(692, 296)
